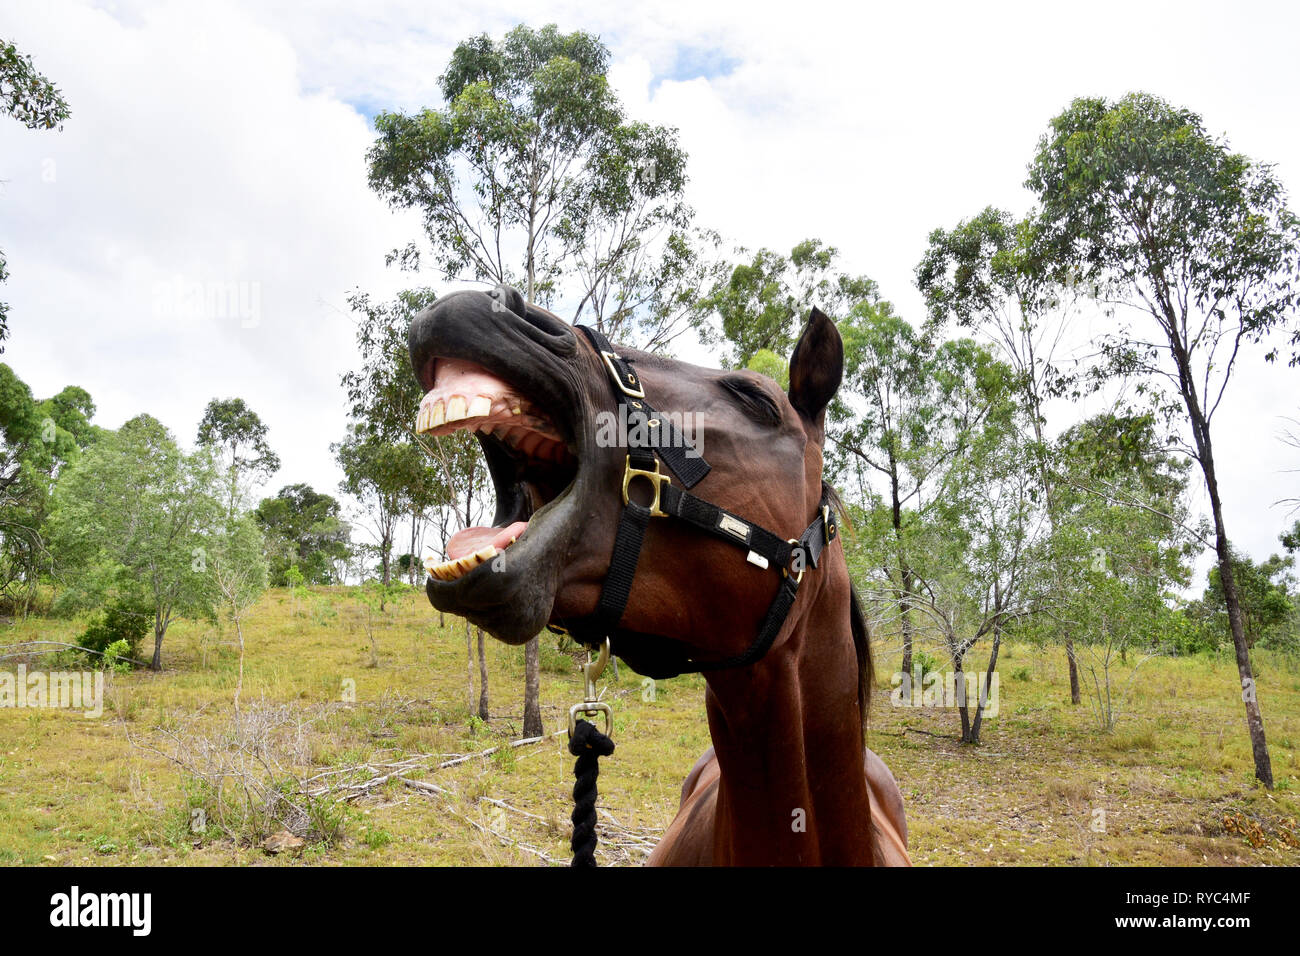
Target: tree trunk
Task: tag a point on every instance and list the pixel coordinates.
(532, 235)
(469, 668)
(1044, 476)
(411, 569)
(532, 688)
(1249, 695)
(419, 522)
(1074, 671)
(907, 622)
(239, 681)
(959, 690)
(483, 710)
(159, 629)
(1205, 453)
(904, 570)
(386, 558)
(983, 693)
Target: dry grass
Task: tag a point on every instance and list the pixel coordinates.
(363, 781)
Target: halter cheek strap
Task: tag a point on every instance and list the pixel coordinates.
(764, 549)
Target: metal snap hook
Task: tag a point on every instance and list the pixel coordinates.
(591, 704)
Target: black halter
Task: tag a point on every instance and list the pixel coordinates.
(668, 658)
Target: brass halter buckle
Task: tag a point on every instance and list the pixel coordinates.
(632, 386)
(657, 478)
(591, 704)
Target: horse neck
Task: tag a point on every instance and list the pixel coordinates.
(788, 737)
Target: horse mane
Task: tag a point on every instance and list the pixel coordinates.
(857, 623)
(861, 644)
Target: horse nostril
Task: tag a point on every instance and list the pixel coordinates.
(551, 324)
(506, 298)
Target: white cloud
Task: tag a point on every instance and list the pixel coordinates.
(219, 143)
(204, 221)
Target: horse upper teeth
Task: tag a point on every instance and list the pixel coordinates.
(480, 407)
(455, 567)
(456, 408)
(438, 414)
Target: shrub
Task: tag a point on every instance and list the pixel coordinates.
(121, 621)
(926, 663)
(1184, 633)
(113, 655)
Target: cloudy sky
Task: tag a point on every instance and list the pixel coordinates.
(221, 146)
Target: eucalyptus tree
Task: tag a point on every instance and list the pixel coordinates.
(132, 522)
(379, 475)
(38, 438)
(981, 275)
(304, 530)
(977, 555)
(446, 480)
(1290, 538)
(384, 394)
(530, 173)
(1123, 543)
(1267, 595)
(239, 436)
(657, 293)
(449, 484)
(910, 411)
(885, 365)
(239, 571)
(994, 520)
(763, 301)
(1193, 248)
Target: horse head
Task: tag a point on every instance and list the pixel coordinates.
(540, 398)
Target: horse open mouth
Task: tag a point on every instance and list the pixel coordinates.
(530, 457)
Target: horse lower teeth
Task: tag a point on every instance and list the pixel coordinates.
(454, 568)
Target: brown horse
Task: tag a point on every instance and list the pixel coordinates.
(784, 782)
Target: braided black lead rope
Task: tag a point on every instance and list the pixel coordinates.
(587, 744)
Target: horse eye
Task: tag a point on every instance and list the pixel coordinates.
(753, 398)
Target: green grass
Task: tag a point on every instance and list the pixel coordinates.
(1171, 785)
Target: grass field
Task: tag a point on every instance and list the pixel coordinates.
(167, 775)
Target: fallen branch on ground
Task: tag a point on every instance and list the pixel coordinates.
(491, 750)
(382, 773)
(62, 644)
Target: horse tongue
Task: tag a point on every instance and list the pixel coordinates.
(468, 541)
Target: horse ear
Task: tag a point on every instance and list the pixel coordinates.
(816, 367)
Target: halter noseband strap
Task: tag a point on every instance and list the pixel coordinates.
(765, 549)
